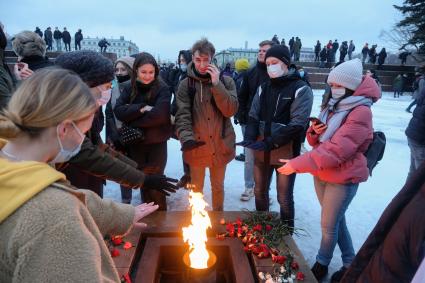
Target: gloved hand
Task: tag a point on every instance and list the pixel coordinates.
(191, 144)
(264, 145)
(244, 143)
(161, 183)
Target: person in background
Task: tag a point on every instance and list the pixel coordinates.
(275, 134)
(365, 52)
(48, 38)
(184, 58)
(144, 103)
(418, 86)
(381, 58)
(317, 49)
(241, 67)
(39, 32)
(205, 104)
(78, 37)
(31, 50)
(254, 77)
(123, 72)
(323, 57)
(398, 85)
(7, 83)
(50, 230)
(351, 49)
(57, 35)
(339, 139)
(66, 37)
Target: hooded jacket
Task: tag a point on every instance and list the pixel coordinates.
(340, 159)
(204, 122)
(51, 231)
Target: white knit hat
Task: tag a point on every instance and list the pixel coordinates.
(348, 74)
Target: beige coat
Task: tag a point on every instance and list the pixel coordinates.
(57, 236)
(207, 124)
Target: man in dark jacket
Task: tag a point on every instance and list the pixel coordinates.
(317, 49)
(323, 57)
(103, 44)
(48, 37)
(39, 32)
(253, 78)
(291, 47)
(205, 104)
(351, 49)
(335, 46)
(277, 134)
(373, 54)
(57, 35)
(395, 248)
(343, 51)
(77, 39)
(381, 58)
(403, 57)
(66, 39)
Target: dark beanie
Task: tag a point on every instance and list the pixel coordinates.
(92, 67)
(280, 52)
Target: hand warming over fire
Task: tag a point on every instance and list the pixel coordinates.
(141, 211)
(286, 169)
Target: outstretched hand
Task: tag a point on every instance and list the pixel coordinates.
(286, 169)
(143, 210)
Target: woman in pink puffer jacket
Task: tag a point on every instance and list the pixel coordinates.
(337, 161)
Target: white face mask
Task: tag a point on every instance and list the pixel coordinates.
(183, 67)
(65, 155)
(105, 96)
(275, 71)
(337, 92)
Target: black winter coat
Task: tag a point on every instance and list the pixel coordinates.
(37, 62)
(323, 55)
(66, 37)
(57, 34)
(48, 36)
(253, 78)
(381, 57)
(155, 123)
(416, 128)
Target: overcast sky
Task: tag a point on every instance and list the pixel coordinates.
(165, 27)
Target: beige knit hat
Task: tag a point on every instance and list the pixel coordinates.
(348, 74)
(129, 61)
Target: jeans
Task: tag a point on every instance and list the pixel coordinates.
(284, 188)
(249, 165)
(58, 44)
(217, 174)
(67, 46)
(77, 45)
(334, 200)
(417, 155)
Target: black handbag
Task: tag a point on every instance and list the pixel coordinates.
(130, 135)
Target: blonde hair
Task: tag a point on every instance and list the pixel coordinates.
(28, 43)
(49, 97)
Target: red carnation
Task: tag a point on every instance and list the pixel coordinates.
(127, 245)
(238, 222)
(116, 241)
(280, 259)
(115, 253)
(230, 228)
(258, 228)
(294, 265)
(300, 276)
(268, 228)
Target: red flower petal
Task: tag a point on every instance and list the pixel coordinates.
(294, 265)
(116, 241)
(115, 253)
(127, 245)
(300, 276)
(268, 228)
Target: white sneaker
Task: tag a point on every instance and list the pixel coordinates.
(247, 194)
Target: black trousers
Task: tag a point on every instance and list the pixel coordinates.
(152, 159)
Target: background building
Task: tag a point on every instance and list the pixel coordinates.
(119, 46)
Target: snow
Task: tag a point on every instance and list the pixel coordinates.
(367, 206)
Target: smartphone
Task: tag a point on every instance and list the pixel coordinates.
(315, 120)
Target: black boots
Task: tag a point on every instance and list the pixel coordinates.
(319, 271)
(337, 276)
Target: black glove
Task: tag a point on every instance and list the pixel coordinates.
(160, 183)
(191, 144)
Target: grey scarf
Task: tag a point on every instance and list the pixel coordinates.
(342, 109)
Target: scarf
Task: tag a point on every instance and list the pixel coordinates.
(343, 108)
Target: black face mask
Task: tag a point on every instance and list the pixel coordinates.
(122, 78)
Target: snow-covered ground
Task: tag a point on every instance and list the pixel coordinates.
(372, 196)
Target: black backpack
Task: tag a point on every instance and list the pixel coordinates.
(375, 151)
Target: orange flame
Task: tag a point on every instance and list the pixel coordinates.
(196, 233)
